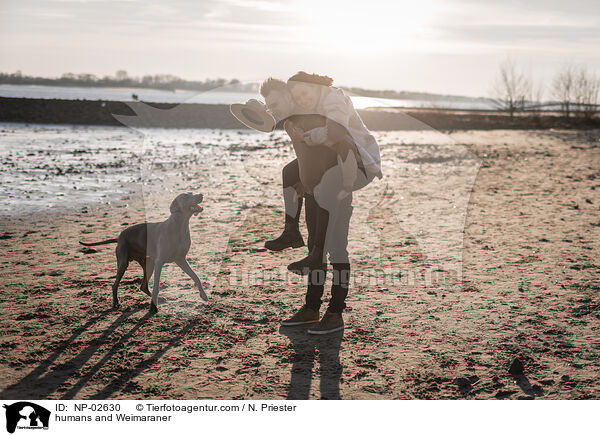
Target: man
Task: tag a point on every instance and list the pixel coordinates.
(279, 101)
(328, 215)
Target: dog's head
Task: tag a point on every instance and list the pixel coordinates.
(187, 204)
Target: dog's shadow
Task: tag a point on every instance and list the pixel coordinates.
(48, 377)
(306, 350)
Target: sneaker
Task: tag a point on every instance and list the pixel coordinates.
(331, 322)
(305, 315)
(291, 237)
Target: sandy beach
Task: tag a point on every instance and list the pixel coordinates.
(517, 211)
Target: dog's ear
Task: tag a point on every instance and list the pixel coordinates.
(175, 207)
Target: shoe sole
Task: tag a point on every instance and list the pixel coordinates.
(306, 270)
(300, 272)
(324, 332)
(292, 324)
(283, 247)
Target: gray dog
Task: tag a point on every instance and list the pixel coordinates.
(154, 244)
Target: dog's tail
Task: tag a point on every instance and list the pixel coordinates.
(91, 244)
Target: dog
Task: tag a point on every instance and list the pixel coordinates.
(154, 244)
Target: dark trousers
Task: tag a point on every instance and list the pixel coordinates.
(337, 241)
(339, 287)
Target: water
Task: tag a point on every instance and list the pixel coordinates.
(52, 167)
(123, 94)
(49, 167)
(222, 96)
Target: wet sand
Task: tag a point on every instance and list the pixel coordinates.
(530, 289)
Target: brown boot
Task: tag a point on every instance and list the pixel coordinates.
(291, 236)
(330, 323)
(305, 315)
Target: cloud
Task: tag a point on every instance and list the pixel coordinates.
(400, 44)
(506, 33)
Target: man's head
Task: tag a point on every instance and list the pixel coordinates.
(277, 97)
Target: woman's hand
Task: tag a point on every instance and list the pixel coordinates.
(297, 134)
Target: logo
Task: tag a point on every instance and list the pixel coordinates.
(26, 415)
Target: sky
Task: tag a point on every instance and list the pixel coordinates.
(441, 46)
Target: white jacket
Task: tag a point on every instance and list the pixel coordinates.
(337, 106)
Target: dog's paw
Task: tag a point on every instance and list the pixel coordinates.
(153, 308)
(203, 294)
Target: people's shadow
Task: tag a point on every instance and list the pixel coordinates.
(306, 349)
(48, 377)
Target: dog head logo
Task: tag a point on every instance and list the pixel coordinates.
(26, 415)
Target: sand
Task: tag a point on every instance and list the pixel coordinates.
(529, 289)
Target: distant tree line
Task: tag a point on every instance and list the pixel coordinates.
(122, 79)
(170, 82)
(573, 91)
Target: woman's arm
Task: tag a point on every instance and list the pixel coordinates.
(294, 131)
(337, 107)
(341, 141)
(316, 136)
(332, 135)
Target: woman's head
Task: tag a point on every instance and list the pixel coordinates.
(306, 89)
(277, 97)
(301, 76)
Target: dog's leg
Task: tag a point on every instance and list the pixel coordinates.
(148, 267)
(121, 267)
(185, 266)
(154, 303)
(144, 286)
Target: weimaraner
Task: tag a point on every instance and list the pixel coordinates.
(154, 244)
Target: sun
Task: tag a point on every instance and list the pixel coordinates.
(371, 26)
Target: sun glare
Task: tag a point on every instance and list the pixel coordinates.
(373, 26)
